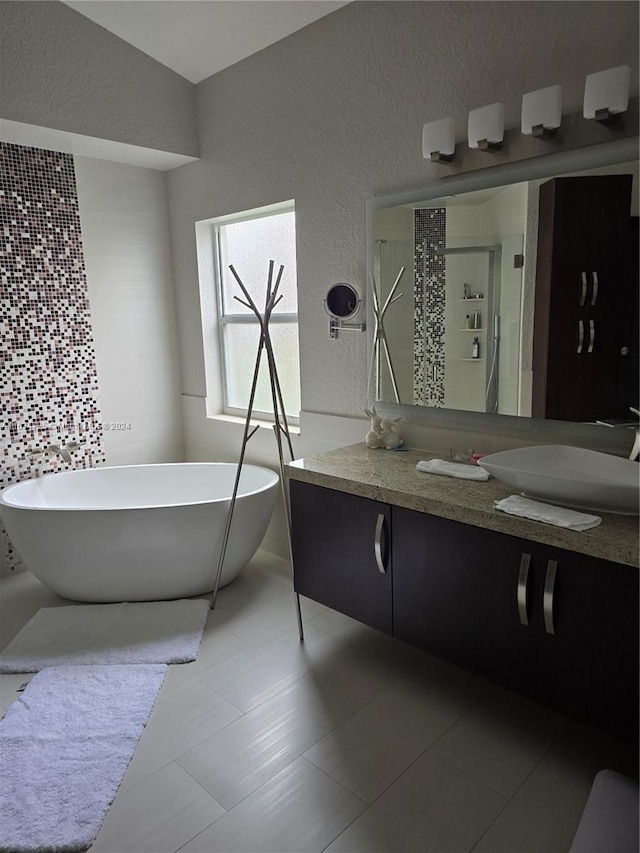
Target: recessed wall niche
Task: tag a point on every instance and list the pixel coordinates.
(48, 378)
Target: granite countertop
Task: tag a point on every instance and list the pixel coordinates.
(390, 476)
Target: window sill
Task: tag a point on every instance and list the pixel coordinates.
(294, 429)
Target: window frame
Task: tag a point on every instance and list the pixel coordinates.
(226, 318)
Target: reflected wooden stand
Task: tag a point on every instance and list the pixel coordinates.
(280, 426)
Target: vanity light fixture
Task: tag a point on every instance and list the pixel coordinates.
(542, 111)
(606, 94)
(486, 127)
(438, 140)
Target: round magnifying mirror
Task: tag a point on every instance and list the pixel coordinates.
(342, 301)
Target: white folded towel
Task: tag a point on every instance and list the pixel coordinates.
(453, 469)
(537, 511)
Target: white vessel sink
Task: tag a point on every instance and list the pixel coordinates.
(569, 476)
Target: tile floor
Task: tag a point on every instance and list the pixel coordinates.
(351, 741)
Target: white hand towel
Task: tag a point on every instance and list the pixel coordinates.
(452, 469)
(561, 517)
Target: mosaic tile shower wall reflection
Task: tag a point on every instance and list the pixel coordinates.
(48, 379)
(429, 233)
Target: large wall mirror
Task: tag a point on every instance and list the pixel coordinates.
(519, 291)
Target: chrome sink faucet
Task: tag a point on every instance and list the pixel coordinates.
(635, 450)
(59, 451)
(635, 424)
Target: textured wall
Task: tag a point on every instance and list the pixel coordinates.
(58, 69)
(333, 114)
(125, 232)
(48, 381)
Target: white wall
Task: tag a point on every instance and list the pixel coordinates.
(332, 116)
(125, 231)
(60, 70)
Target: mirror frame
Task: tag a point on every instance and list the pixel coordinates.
(545, 166)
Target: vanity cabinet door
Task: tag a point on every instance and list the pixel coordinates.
(466, 594)
(341, 552)
(588, 640)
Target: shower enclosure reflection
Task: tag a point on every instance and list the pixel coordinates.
(514, 305)
(455, 337)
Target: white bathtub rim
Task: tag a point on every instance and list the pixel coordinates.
(273, 481)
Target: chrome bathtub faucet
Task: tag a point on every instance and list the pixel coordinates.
(59, 451)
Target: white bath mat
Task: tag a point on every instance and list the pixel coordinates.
(83, 634)
(64, 748)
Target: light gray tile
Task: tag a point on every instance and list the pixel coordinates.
(234, 762)
(543, 815)
(10, 683)
(364, 668)
(217, 647)
(259, 675)
(342, 626)
(299, 811)
(180, 720)
(500, 740)
(432, 808)
(267, 576)
(21, 596)
(258, 622)
(374, 746)
(158, 815)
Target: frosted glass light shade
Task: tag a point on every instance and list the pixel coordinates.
(486, 126)
(542, 109)
(438, 139)
(607, 91)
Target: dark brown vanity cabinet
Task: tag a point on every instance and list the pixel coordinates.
(455, 593)
(587, 654)
(556, 626)
(559, 627)
(584, 300)
(341, 552)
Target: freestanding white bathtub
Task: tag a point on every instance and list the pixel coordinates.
(138, 532)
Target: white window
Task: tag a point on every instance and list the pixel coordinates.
(248, 242)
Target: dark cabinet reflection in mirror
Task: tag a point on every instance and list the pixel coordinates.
(525, 297)
(585, 346)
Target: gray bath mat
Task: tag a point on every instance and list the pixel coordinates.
(64, 748)
(84, 634)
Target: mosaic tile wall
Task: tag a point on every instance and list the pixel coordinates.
(429, 236)
(48, 379)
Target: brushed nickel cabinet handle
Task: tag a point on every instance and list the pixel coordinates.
(377, 544)
(547, 600)
(594, 292)
(592, 335)
(523, 577)
(583, 289)
(580, 336)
